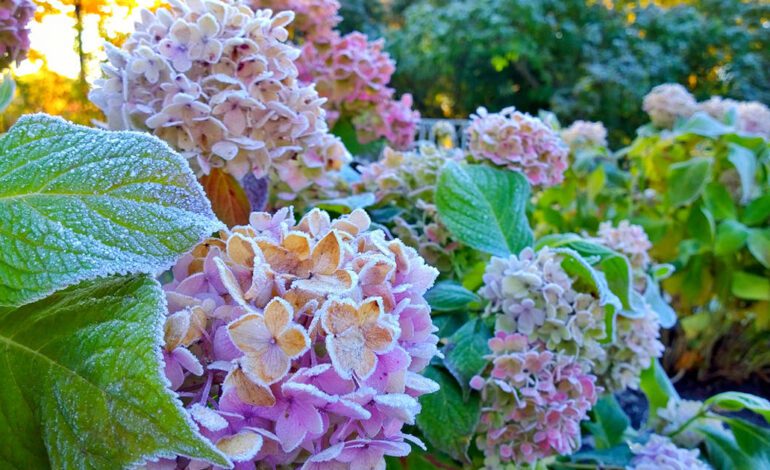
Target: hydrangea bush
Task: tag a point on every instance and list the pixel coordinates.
(301, 343)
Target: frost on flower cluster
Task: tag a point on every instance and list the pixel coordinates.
(581, 134)
(314, 18)
(665, 103)
(408, 180)
(353, 74)
(218, 82)
(752, 117)
(533, 295)
(300, 344)
(678, 413)
(519, 142)
(534, 400)
(659, 453)
(637, 340)
(14, 33)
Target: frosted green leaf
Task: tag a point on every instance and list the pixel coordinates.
(82, 386)
(485, 207)
(76, 203)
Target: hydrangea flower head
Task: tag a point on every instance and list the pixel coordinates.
(14, 33)
(678, 413)
(628, 239)
(353, 74)
(659, 453)
(754, 118)
(534, 400)
(218, 82)
(665, 103)
(585, 134)
(533, 295)
(717, 107)
(314, 18)
(519, 142)
(301, 343)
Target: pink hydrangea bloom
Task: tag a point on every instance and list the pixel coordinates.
(314, 18)
(659, 453)
(629, 239)
(394, 120)
(353, 74)
(585, 134)
(307, 339)
(533, 401)
(533, 295)
(665, 103)
(218, 82)
(519, 142)
(14, 33)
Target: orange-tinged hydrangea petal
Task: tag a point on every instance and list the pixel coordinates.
(298, 243)
(278, 313)
(294, 341)
(249, 334)
(339, 316)
(247, 390)
(378, 338)
(268, 367)
(327, 254)
(241, 250)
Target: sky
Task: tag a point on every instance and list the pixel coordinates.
(54, 37)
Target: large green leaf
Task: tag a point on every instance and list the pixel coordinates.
(82, 385)
(76, 203)
(687, 179)
(465, 351)
(448, 296)
(484, 207)
(608, 422)
(757, 211)
(447, 420)
(753, 440)
(723, 452)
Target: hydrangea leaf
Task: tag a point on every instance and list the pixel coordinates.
(449, 296)
(76, 203)
(723, 451)
(657, 387)
(759, 245)
(686, 180)
(82, 385)
(736, 401)
(228, 198)
(465, 351)
(447, 420)
(609, 422)
(484, 207)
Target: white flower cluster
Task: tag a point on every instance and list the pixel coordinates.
(585, 134)
(218, 82)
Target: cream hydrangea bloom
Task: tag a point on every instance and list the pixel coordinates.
(665, 103)
(218, 82)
